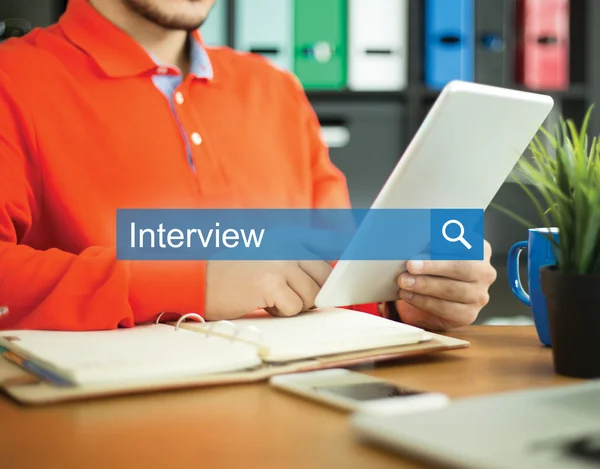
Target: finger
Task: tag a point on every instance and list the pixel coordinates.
(466, 271)
(445, 288)
(487, 250)
(319, 271)
(447, 311)
(281, 300)
(425, 320)
(304, 286)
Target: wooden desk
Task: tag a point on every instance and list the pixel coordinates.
(255, 425)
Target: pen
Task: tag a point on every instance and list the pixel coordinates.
(38, 371)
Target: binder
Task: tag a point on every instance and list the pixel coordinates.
(378, 45)
(265, 27)
(59, 366)
(492, 19)
(449, 41)
(320, 36)
(543, 44)
(214, 31)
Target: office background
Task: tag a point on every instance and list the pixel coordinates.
(373, 68)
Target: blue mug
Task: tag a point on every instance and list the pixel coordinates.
(539, 253)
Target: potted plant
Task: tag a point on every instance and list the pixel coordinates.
(566, 174)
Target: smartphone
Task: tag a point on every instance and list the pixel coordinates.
(357, 392)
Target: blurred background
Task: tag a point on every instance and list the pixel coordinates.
(373, 68)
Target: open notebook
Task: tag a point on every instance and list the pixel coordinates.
(72, 365)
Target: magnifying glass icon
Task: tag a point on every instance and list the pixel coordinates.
(460, 237)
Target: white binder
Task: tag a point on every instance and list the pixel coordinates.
(214, 30)
(266, 27)
(378, 45)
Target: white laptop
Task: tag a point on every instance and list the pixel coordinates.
(464, 151)
(555, 428)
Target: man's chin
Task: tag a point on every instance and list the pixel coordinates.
(176, 24)
(185, 17)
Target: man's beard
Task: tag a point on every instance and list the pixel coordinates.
(147, 10)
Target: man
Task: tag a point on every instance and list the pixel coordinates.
(120, 106)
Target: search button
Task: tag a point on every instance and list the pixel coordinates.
(460, 237)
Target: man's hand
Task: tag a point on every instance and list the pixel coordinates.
(442, 295)
(282, 288)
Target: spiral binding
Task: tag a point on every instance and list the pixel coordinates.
(181, 319)
(212, 328)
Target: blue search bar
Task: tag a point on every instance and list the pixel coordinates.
(300, 234)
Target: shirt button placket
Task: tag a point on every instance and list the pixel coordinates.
(196, 137)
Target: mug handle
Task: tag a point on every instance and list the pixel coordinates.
(513, 272)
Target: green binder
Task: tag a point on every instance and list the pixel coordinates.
(320, 55)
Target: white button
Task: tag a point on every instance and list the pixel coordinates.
(179, 97)
(196, 138)
(162, 70)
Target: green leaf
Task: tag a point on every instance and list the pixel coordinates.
(550, 137)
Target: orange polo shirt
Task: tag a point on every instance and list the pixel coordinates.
(84, 131)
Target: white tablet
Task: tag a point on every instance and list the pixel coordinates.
(464, 151)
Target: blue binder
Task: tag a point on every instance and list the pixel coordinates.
(214, 30)
(266, 27)
(449, 41)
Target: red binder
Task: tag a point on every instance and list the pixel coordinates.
(543, 44)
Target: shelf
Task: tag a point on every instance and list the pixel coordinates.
(345, 94)
(576, 91)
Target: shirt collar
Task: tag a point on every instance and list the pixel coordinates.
(115, 52)
(200, 65)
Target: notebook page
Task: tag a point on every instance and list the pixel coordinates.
(318, 333)
(144, 353)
